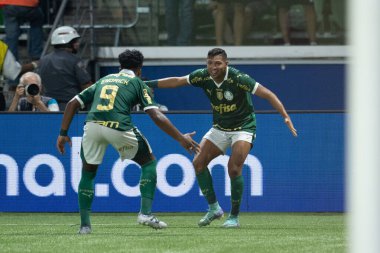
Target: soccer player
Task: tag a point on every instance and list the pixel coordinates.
(234, 125)
(109, 122)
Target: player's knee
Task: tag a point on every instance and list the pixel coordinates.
(234, 170)
(234, 173)
(198, 165)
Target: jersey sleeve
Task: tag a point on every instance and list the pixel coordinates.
(87, 95)
(197, 77)
(145, 95)
(247, 83)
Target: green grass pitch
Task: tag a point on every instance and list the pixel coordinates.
(119, 232)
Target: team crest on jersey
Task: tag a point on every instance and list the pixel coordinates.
(219, 94)
(228, 95)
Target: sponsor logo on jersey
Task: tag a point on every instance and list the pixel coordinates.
(125, 148)
(244, 87)
(110, 124)
(228, 95)
(222, 108)
(219, 94)
(147, 96)
(196, 79)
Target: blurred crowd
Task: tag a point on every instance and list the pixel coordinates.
(63, 73)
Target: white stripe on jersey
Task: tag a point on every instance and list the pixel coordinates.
(254, 89)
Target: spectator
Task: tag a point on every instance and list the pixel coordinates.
(12, 70)
(63, 73)
(238, 20)
(30, 86)
(254, 10)
(331, 17)
(283, 17)
(16, 13)
(179, 22)
(115, 9)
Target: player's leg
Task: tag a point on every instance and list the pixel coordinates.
(212, 145)
(92, 153)
(86, 194)
(148, 181)
(148, 178)
(240, 150)
(133, 145)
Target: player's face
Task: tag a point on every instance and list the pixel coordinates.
(217, 67)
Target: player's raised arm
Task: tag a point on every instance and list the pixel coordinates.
(165, 124)
(169, 82)
(276, 103)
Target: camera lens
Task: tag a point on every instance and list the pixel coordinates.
(32, 89)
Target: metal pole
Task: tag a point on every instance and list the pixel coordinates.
(363, 152)
(92, 33)
(56, 21)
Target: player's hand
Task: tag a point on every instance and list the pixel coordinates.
(61, 141)
(189, 144)
(289, 123)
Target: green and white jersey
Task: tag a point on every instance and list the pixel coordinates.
(112, 98)
(231, 100)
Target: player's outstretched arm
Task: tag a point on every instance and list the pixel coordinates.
(169, 82)
(166, 125)
(276, 103)
(68, 115)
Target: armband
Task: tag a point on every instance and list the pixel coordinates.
(152, 84)
(63, 132)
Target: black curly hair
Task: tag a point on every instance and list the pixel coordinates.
(131, 59)
(217, 51)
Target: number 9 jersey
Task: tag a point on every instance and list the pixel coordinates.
(112, 98)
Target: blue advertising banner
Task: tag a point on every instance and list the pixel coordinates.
(281, 174)
(299, 86)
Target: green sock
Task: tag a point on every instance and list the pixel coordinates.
(205, 183)
(148, 182)
(237, 185)
(85, 196)
(146, 205)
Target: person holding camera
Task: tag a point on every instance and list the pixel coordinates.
(30, 86)
(10, 69)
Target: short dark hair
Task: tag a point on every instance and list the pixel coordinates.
(131, 59)
(217, 51)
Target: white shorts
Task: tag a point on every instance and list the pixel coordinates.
(96, 138)
(224, 139)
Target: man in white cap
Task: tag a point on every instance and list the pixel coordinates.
(62, 72)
